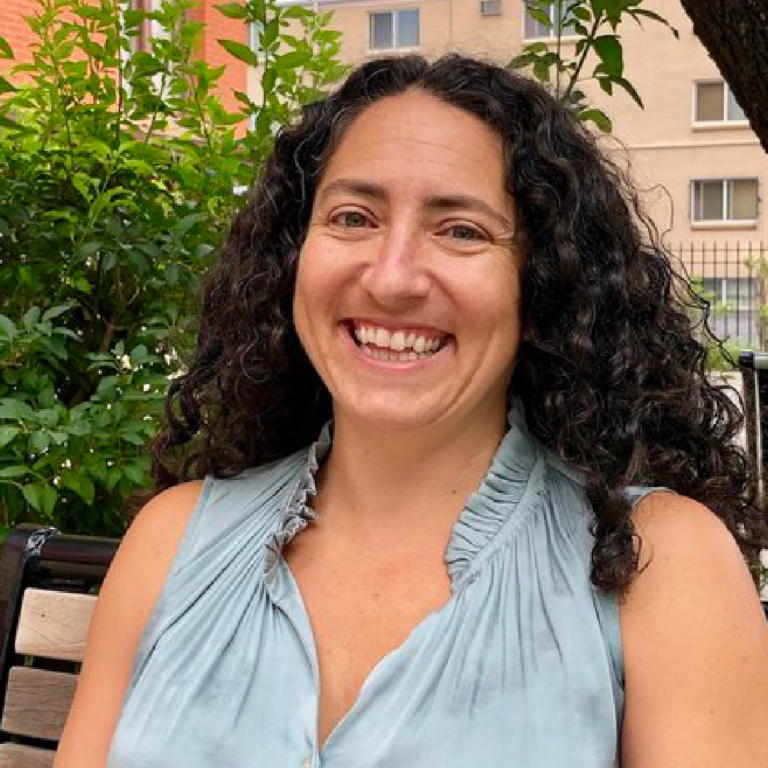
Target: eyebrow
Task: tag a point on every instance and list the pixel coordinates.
(449, 202)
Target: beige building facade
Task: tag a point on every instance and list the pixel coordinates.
(691, 151)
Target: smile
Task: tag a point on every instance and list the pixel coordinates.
(396, 344)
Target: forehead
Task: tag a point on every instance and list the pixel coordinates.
(416, 140)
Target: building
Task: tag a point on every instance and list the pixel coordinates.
(701, 168)
(690, 149)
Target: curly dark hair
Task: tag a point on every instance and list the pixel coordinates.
(611, 373)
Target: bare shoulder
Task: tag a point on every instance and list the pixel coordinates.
(695, 644)
(127, 598)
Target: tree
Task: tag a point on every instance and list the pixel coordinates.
(736, 36)
(119, 172)
(595, 24)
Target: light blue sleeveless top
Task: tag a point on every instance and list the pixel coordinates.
(521, 668)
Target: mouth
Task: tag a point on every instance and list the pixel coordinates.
(396, 344)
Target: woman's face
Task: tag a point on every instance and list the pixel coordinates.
(408, 291)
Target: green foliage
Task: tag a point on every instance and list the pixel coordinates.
(594, 27)
(119, 172)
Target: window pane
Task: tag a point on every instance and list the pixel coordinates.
(407, 29)
(536, 27)
(708, 201)
(735, 112)
(381, 31)
(255, 33)
(566, 28)
(709, 101)
(743, 199)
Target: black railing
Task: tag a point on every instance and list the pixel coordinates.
(732, 276)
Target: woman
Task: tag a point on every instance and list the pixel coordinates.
(439, 259)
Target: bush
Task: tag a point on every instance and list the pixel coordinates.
(119, 173)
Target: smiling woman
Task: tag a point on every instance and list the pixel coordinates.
(446, 483)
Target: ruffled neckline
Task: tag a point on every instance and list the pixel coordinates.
(502, 501)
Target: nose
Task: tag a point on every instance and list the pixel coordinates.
(395, 273)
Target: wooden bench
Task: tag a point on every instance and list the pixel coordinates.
(48, 583)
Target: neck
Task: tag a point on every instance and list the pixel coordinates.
(379, 484)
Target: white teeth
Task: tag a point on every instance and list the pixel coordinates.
(397, 341)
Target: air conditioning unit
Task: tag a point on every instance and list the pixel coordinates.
(490, 7)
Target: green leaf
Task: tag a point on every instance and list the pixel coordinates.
(80, 483)
(598, 117)
(6, 86)
(240, 51)
(609, 50)
(49, 496)
(7, 327)
(189, 221)
(135, 474)
(82, 284)
(31, 318)
(55, 312)
(7, 434)
(630, 89)
(606, 84)
(15, 409)
(9, 472)
(6, 52)
(39, 441)
(33, 493)
(233, 10)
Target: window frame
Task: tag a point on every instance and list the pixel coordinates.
(565, 36)
(484, 4)
(724, 122)
(394, 13)
(727, 185)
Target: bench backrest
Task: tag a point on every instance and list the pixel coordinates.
(47, 593)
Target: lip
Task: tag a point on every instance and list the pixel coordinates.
(406, 365)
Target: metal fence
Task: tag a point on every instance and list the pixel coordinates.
(733, 278)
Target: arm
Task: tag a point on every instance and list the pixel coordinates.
(695, 646)
(126, 600)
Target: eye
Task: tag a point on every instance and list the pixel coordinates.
(350, 219)
(465, 233)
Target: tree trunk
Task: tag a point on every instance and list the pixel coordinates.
(735, 33)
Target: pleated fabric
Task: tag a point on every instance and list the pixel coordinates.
(521, 668)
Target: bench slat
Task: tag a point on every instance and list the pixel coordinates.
(54, 625)
(37, 702)
(19, 756)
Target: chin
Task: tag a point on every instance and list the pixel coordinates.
(391, 418)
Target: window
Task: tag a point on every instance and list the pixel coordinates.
(490, 7)
(724, 200)
(545, 21)
(141, 33)
(394, 29)
(254, 36)
(733, 302)
(715, 103)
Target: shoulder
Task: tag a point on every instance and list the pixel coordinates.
(695, 643)
(149, 546)
(689, 563)
(126, 600)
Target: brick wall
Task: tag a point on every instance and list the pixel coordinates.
(15, 30)
(219, 27)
